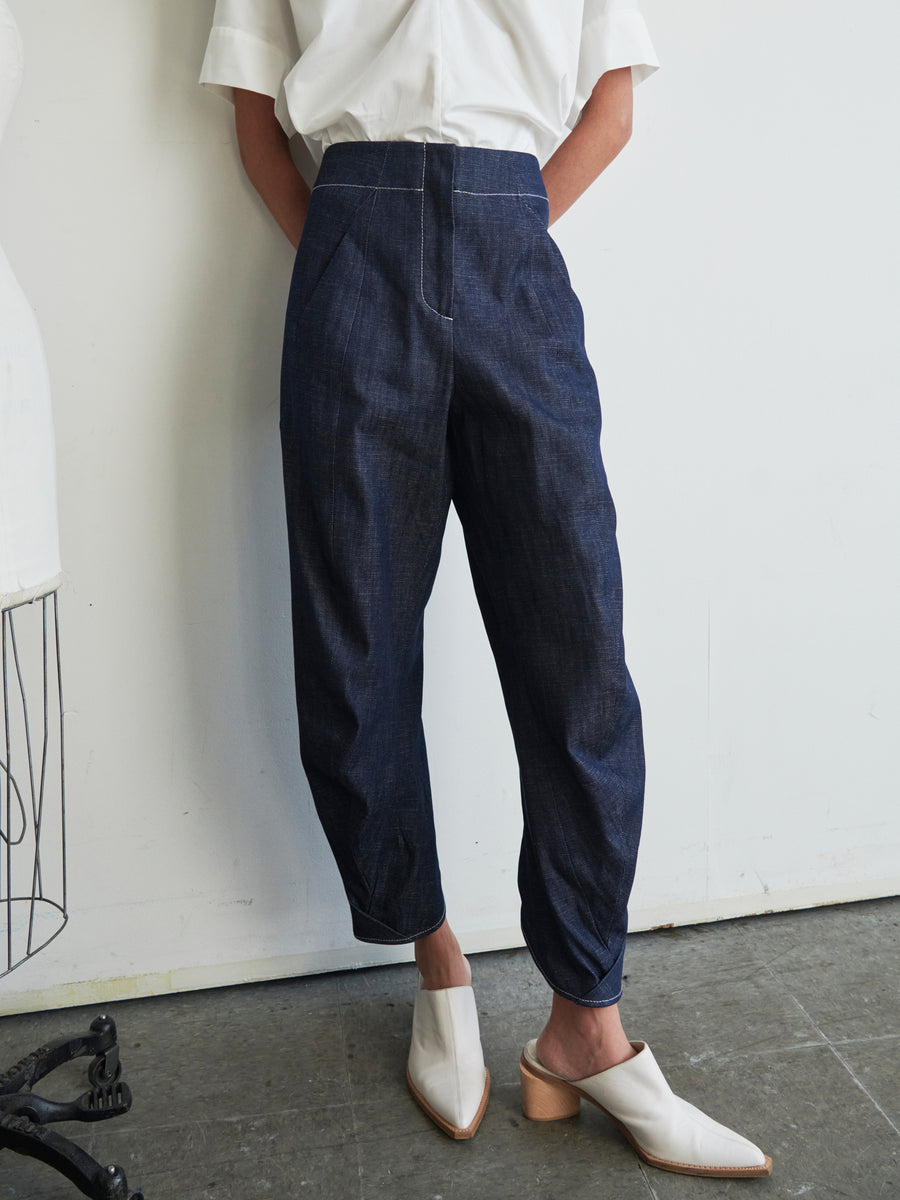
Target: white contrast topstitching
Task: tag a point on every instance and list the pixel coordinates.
(369, 187)
(422, 243)
(539, 195)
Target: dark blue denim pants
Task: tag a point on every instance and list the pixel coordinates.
(434, 351)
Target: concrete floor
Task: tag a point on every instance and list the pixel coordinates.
(786, 1027)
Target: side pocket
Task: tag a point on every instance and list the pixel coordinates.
(537, 209)
(330, 218)
(552, 291)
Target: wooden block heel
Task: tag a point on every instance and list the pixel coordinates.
(545, 1099)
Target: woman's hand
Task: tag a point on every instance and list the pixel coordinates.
(266, 155)
(602, 131)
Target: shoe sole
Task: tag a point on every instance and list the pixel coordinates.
(454, 1131)
(663, 1164)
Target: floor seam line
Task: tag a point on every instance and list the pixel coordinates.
(650, 1186)
(712, 1056)
(352, 1102)
(837, 1054)
(878, 1037)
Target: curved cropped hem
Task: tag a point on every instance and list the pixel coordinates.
(615, 974)
(367, 929)
(235, 58)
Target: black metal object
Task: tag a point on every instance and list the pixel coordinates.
(23, 1115)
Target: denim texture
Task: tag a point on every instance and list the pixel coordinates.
(434, 352)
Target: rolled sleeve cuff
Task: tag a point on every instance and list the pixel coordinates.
(609, 42)
(235, 58)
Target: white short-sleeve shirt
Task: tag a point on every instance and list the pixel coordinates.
(494, 73)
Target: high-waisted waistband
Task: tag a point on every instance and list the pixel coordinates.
(407, 165)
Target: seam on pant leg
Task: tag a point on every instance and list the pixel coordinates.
(570, 995)
(340, 387)
(534, 292)
(397, 941)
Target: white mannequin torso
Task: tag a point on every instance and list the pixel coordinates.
(29, 540)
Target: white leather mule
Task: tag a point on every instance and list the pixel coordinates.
(446, 1071)
(665, 1130)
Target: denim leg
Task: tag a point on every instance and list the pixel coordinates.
(363, 422)
(539, 522)
(434, 346)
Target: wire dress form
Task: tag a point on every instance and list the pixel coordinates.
(32, 766)
(32, 760)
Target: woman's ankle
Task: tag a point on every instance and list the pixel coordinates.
(440, 961)
(579, 1041)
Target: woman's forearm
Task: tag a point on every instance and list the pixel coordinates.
(601, 133)
(266, 155)
(603, 130)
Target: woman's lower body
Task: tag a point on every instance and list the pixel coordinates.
(434, 352)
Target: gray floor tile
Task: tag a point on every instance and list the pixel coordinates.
(804, 1109)
(509, 1159)
(377, 1043)
(296, 1088)
(844, 970)
(231, 1065)
(392, 980)
(25, 1179)
(691, 956)
(510, 979)
(288, 1155)
(738, 1010)
(876, 1065)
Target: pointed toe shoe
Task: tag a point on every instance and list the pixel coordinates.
(445, 1070)
(665, 1130)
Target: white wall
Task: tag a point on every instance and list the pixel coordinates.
(738, 270)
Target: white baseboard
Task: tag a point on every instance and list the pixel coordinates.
(98, 992)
